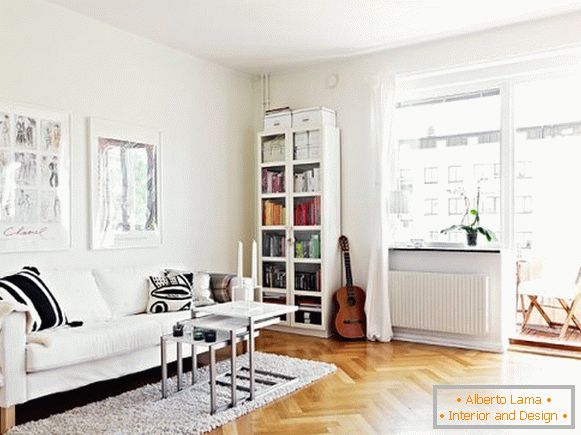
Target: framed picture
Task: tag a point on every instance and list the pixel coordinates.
(34, 179)
(125, 185)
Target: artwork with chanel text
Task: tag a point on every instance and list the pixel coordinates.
(34, 179)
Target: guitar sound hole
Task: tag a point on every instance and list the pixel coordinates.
(351, 301)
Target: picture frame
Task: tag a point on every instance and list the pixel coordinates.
(125, 163)
(35, 189)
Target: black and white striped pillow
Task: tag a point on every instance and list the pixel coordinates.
(26, 287)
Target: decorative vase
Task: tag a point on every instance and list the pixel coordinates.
(471, 239)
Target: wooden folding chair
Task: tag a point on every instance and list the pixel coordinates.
(558, 288)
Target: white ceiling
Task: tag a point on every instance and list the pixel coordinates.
(268, 35)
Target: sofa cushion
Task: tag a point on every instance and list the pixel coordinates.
(68, 346)
(167, 294)
(78, 294)
(126, 289)
(220, 285)
(28, 288)
(200, 284)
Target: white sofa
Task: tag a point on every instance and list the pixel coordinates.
(116, 339)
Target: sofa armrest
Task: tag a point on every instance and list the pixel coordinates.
(13, 359)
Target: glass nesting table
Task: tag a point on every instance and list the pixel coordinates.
(234, 322)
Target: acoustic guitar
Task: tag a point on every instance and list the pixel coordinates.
(350, 321)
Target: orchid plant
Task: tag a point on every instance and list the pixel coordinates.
(470, 222)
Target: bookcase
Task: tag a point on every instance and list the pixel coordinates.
(299, 222)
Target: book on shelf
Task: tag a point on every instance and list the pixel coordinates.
(272, 181)
(310, 248)
(273, 213)
(307, 303)
(308, 212)
(274, 276)
(274, 298)
(308, 181)
(273, 245)
(308, 281)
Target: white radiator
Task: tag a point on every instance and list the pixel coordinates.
(439, 302)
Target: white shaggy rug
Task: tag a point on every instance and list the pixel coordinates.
(143, 411)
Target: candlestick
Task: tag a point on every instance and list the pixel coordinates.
(254, 263)
(240, 255)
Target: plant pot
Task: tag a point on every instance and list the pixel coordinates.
(471, 239)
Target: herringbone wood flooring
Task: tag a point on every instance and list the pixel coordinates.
(385, 388)
(379, 388)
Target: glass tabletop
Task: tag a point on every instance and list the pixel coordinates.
(244, 309)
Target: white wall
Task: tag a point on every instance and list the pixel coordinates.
(57, 59)
(305, 87)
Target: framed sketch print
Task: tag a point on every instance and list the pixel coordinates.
(125, 185)
(34, 179)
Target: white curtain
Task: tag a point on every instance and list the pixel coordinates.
(377, 302)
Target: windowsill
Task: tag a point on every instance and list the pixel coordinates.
(448, 248)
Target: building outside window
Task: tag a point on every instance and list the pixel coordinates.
(447, 134)
(523, 170)
(487, 171)
(455, 174)
(455, 141)
(431, 206)
(460, 132)
(491, 205)
(456, 206)
(523, 204)
(431, 175)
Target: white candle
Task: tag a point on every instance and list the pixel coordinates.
(254, 263)
(240, 254)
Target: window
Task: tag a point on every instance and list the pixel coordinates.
(491, 205)
(456, 206)
(486, 171)
(431, 175)
(489, 137)
(547, 148)
(428, 142)
(523, 204)
(455, 141)
(431, 206)
(442, 138)
(455, 174)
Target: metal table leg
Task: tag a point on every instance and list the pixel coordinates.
(163, 369)
(251, 356)
(233, 377)
(212, 380)
(180, 364)
(194, 364)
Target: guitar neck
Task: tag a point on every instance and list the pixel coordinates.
(348, 273)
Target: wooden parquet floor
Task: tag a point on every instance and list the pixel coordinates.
(379, 388)
(385, 388)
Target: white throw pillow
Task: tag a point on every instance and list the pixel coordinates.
(77, 292)
(126, 289)
(200, 282)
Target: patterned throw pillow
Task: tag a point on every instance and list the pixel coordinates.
(200, 283)
(169, 294)
(26, 287)
(220, 284)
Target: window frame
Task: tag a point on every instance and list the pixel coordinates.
(432, 170)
